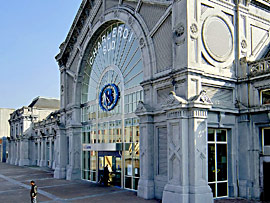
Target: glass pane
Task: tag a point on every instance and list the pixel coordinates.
(221, 135)
(222, 189)
(128, 182)
(266, 97)
(105, 133)
(118, 131)
(136, 134)
(117, 178)
(213, 187)
(87, 175)
(128, 159)
(135, 183)
(266, 137)
(211, 162)
(93, 161)
(128, 130)
(221, 162)
(100, 163)
(136, 160)
(211, 134)
(93, 176)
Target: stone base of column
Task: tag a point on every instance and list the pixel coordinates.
(33, 162)
(201, 194)
(24, 162)
(175, 193)
(43, 163)
(12, 161)
(16, 162)
(73, 174)
(146, 189)
(60, 173)
(53, 165)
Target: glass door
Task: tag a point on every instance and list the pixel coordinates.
(217, 162)
(113, 163)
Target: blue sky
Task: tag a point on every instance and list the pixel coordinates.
(31, 32)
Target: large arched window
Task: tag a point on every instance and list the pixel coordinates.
(110, 93)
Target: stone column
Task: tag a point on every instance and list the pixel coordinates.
(33, 151)
(50, 152)
(53, 153)
(146, 186)
(14, 154)
(38, 151)
(17, 152)
(24, 156)
(61, 154)
(74, 167)
(43, 153)
(198, 162)
(187, 151)
(177, 188)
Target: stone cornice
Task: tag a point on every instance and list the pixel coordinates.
(68, 45)
(256, 109)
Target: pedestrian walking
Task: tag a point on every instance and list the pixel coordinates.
(106, 175)
(33, 192)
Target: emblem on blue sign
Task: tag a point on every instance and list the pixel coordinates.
(108, 97)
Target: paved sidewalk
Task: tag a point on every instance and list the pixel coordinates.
(15, 187)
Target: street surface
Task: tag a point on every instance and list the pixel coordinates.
(15, 187)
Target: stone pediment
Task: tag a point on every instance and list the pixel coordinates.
(174, 100)
(201, 98)
(143, 108)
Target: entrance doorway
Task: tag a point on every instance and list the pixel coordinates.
(266, 181)
(113, 161)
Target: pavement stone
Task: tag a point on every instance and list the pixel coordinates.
(15, 188)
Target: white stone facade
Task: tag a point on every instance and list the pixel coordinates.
(204, 114)
(30, 141)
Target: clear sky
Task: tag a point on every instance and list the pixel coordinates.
(31, 32)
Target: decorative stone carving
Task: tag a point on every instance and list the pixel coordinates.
(174, 100)
(244, 44)
(178, 34)
(130, 20)
(101, 19)
(69, 118)
(116, 14)
(142, 43)
(75, 78)
(219, 48)
(194, 28)
(202, 97)
(177, 98)
(142, 107)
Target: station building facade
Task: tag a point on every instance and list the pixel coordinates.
(33, 132)
(171, 96)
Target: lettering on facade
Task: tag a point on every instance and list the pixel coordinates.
(108, 41)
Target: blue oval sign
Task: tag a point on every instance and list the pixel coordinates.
(108, 97)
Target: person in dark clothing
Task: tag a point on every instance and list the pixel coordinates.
(106, 175)
(33, 192)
